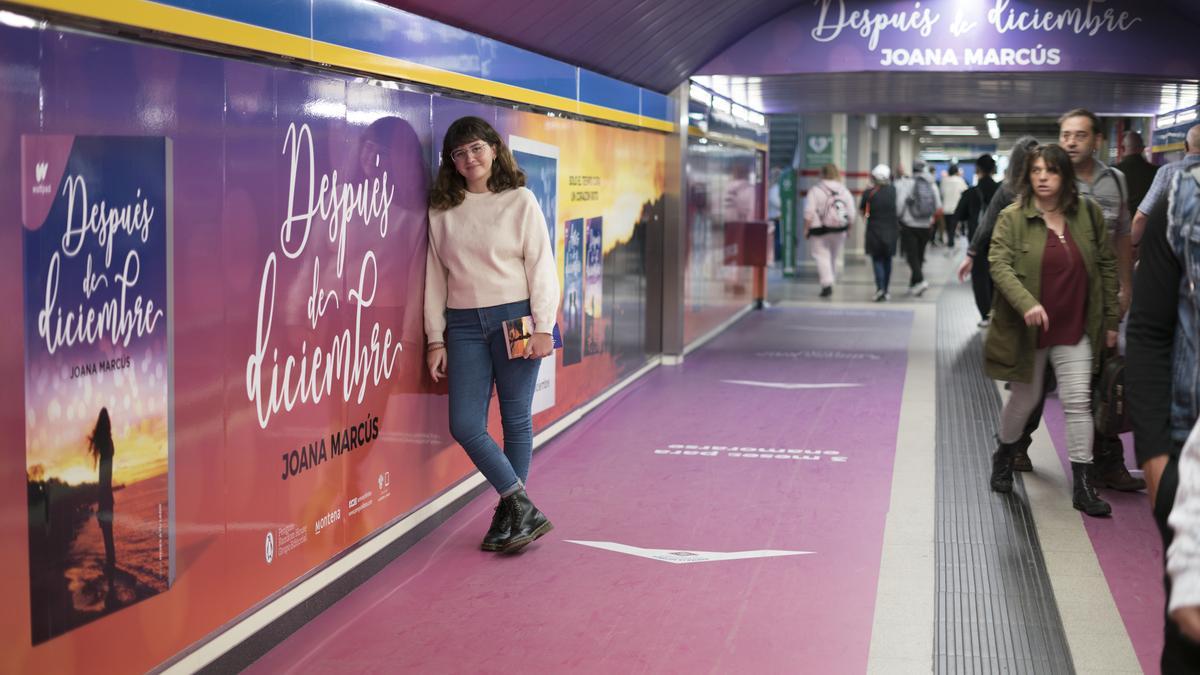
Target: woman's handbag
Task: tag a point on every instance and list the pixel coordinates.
(1108, 398)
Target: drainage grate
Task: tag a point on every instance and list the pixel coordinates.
(995, 607)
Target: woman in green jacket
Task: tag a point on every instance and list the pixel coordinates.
(1056, 299)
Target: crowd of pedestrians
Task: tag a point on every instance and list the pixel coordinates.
(1065, 256)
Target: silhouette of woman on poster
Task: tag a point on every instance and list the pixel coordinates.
(100, 444)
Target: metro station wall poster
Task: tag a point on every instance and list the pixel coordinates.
(96, 214)
(218, 266)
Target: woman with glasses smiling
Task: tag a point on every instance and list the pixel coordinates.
(490, 260)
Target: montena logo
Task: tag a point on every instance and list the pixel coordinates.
(39, 173)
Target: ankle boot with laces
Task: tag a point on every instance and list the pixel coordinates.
(1084, 496)
(1002, 467)
(500, 529)
(528, 524)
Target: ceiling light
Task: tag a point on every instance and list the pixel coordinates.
(990, 116)
(993, 128)
(903, 127)
(951, 130)
(1185, 116)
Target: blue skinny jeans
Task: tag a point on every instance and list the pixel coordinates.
(477, 360)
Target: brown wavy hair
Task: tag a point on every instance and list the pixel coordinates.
(1057, 161)
(449, 187)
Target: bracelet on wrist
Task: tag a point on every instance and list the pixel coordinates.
(434, 347)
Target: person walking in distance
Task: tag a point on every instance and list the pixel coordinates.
(917, 201)
(952, 188)
(828, 214)
(1056, 296)
(490, 260)
(971, 208)
(883, 229)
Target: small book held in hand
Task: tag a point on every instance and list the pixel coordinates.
(518, 332)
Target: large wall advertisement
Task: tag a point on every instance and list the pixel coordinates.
(218, 265)
(724, 185)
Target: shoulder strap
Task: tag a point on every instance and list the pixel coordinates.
(1108, 171)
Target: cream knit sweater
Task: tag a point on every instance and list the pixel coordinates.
(490, 250)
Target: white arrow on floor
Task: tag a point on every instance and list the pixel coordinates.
(678, 557)
(793, 385)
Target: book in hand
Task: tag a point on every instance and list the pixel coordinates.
(518, 332)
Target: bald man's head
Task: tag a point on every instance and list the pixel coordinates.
(1132, 143)
(1193, 140)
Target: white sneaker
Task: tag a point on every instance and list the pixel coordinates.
(920, 288)
(984, 323)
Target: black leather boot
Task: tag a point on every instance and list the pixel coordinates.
(500, 529)
(1084, 496)
(1002, 467)
(1021, 454)
(528, 523)
(1108, 466)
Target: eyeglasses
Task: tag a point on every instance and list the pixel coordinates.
(475, 151)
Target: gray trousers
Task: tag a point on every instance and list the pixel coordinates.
(1073, 368)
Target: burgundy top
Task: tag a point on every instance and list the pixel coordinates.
(1064, 291)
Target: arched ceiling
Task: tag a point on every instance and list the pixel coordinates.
(656, 44)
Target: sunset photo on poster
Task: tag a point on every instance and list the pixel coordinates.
(96, 375)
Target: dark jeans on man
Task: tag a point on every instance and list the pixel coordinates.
(476, 357)
(951, 228)
(981, 283)
(1180, 655)
(913, 241)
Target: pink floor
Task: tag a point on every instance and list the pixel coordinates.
(1129, 549)
(444, 606)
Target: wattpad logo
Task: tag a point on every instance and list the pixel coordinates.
(39, 173)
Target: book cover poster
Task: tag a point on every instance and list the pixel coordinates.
(593, 294)
(96, 214)
(539, 161)
(572, 292)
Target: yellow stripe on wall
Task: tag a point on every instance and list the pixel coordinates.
(1168, 148)
(186, 23)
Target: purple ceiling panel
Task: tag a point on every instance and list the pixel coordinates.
(655, 44)
(658, 44)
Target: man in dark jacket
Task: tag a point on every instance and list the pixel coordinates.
(970, 209)
(1139, 173)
